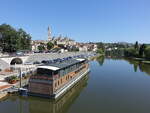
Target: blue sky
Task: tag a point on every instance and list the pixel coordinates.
(82, 20)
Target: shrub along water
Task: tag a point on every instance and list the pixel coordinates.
(139, 51)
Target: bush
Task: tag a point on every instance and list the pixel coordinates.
(131, 52)
(50, 45)
(100, 51)
(147, 52)
(12, 79)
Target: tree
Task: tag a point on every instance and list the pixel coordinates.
(100, 51)
(9, 38)
(41, 47)
(24, 40)
(147, 52)
(141, 50)
(50, 45)
(131, 52)
(100, 45)
(12, 40)
(55, 42)
(136, 46)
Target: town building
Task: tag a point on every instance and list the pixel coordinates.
(60, 40)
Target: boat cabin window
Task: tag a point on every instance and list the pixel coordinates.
(55, 72)
(44, 72)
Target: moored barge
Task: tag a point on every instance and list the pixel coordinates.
(54, 79)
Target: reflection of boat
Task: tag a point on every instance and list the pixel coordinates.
(61, 105)
(54, 79)
(24, 104)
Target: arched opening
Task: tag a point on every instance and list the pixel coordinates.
(16, 61)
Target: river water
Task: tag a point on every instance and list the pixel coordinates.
(112, 86)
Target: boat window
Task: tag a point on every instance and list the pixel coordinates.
(61, 72)
(61, 81)
(55, 72)
(44, 72)
(58, 83)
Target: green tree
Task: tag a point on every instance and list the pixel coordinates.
(9, 38)
(131, 52)
(24, 40)
(55, 42)
(147, 52)
(141, 50)
(100, 51)
(12, 40)
(100, 45)
(50, 45)
(136, 46)
(41, 47)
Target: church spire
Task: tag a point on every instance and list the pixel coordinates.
(49, 34)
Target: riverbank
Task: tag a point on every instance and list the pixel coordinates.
(11, 88)
(142, 60)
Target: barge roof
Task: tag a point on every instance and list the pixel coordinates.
(60, 65)
(49, 67)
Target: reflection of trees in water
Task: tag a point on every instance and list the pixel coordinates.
(145, 68)
(101, 60)
(135, 63)
(138, 64)
(135, 67)
(114, 58)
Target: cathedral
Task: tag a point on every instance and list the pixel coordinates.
(60, 39)
(49, 34)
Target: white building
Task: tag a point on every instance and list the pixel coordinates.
(83, 49)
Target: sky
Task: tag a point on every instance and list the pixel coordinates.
(81, 20)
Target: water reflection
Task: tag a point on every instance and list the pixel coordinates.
(143, 67)
(40, 105)
(101, 60)
(137, 65)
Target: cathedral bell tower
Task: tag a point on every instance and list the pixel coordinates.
(49, 34)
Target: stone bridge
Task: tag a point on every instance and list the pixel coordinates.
(10, 60)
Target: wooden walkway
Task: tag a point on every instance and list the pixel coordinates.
(5, 87)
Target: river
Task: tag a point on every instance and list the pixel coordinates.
(112, 86)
